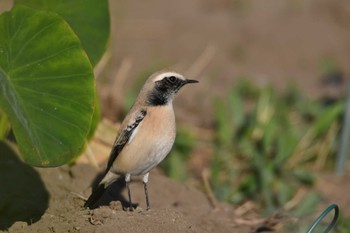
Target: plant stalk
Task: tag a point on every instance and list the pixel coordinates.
(4, 125)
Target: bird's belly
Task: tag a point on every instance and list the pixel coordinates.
(156, 154)
(141, 159)
(148, 147)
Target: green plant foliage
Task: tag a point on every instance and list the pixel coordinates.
(343, 224)
(88, 18)
(47, 85)
(90, 21)
(4, 126)
(308, 205)
(266, 142)
(344, 147)
(328, 65)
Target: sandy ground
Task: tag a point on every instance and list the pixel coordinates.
(51, 200)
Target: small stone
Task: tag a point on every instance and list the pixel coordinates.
(116, 205)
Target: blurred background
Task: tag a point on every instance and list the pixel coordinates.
(264, 124)
(218, 42)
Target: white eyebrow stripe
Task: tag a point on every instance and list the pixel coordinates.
(167, 74)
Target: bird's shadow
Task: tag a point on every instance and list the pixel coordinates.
(113, 193)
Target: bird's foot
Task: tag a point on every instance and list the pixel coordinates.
(129, 209)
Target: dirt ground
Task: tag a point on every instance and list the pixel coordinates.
(51, 200)
(216, 42)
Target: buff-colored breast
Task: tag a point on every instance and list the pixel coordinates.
(152, 142)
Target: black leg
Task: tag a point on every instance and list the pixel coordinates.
(146, 193)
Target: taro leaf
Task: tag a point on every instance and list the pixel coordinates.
(47, 85)
(88, 18)
(90, 21)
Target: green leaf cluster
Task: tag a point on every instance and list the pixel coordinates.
(47, 53)
(266, 143)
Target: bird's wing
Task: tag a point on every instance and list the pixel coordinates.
(125, 135)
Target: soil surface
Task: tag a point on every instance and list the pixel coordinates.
(51, 200)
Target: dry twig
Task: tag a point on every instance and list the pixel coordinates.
(90, 156)
(208, 189)
(101, 65)
(79, 196)
(202, 61)
(292, 203)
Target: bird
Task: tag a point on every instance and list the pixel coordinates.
(146, 135)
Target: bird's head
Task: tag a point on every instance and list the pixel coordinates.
(161, 87)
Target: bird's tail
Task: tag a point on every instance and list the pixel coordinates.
(95, 196)
(97, 193)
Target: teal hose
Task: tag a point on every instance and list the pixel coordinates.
(324, 214)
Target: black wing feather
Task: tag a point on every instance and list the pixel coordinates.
(95, 196)
(118, 145)
(124, 137)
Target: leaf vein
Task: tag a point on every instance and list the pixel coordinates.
(54, 116)
(32, 38)
(53, 77)
(42, 59)
(52, 95)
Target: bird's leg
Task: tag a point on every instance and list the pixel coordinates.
(145, 181)
(127, 181)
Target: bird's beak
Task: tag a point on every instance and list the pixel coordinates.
(184, 82)
(187, 81)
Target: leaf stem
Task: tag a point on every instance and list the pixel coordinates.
(4, 125)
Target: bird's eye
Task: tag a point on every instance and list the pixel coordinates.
(172, 79)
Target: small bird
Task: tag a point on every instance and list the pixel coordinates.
(146, 135)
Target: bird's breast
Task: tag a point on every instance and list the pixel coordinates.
(152, 142)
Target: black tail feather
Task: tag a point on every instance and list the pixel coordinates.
(95, 196)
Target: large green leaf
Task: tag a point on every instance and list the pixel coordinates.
(88, 18)
(47, 85)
